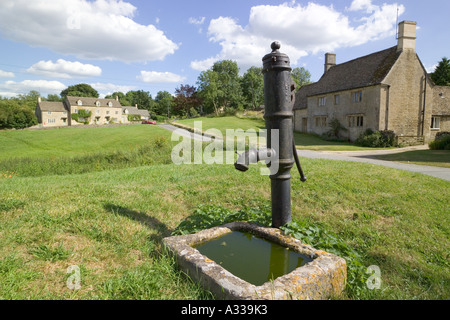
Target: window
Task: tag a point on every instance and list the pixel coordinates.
(107, 112)
(110, 104)
(357, 96)
(97, 111)
(321, 121)
(435, 123)
(117, 112)
(97, 103)
(322, 101)
(51, 120)
(337, 99)
(79, 102)
(355, 121)
(75, 110)
(49, 112)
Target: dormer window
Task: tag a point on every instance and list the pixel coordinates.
(97, 103)
(79, 102)
(110, 104)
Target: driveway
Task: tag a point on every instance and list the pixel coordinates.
(366, 157)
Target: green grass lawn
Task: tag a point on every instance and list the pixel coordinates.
(110, 222)
(438, 158)
(224, 123)
(75, 141)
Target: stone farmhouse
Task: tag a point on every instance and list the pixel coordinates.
(102, 111)
(386, 90)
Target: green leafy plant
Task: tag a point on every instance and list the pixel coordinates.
(377, 139)
(208, 216)
(442, 142)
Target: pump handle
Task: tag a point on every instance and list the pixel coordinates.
(297, 162)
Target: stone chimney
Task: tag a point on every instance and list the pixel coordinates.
(117, 98)
(330, 60)
(406, 36)
(39, 100)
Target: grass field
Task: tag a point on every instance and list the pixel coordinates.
(109, 222)
(438, 158)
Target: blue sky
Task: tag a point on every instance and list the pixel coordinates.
(122, 45)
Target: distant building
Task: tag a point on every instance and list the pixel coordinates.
(134, 111)
(386, 90)
(80, 110)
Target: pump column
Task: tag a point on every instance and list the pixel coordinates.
(279, 116)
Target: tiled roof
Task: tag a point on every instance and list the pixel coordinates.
(361, 72)
(90, 102)
(52, 106)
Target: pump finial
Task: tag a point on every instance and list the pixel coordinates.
(276, 45)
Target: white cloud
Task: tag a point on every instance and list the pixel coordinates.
(102, 29)
(24, 87)
(64, 69)
(196, 21)
(160, 77)
(108, 88)
(6, 74)
(302, 30)
(362, 5)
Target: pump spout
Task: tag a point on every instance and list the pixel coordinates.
(253, 156)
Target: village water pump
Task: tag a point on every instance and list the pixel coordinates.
(279, 96)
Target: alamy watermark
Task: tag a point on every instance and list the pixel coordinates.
(222, 151)
(74, 280)
(374, 281)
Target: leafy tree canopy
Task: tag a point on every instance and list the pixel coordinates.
(80, 90)
(301, 76)
(441, 75)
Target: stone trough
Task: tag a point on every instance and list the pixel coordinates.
(322, 278)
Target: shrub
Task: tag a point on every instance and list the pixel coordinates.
(442, 142)
(336, 128)
(377, 139)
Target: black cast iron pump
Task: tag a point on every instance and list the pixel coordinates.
(279, 96)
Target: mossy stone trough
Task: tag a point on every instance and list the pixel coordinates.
(322, 277)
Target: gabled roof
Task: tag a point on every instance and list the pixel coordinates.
(90, 102)
(136, 111)
(52, 106)
(361, 72)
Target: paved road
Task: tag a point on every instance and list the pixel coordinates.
(361, 156)
(356, 156)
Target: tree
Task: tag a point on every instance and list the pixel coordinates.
(301, 76)
(122, 98)
(163, 103)
(185, 98)
(220, 86)
(441, 75)
(210, 91)
(253, 87)
(13, 115)
(141, 98)
(80, 90)
(53, 97)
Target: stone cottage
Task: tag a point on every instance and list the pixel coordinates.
(386, 90)
(72, 110)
